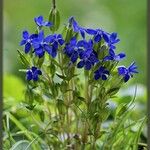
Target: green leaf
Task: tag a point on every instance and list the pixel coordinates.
(21, 145)
(23, 59)
(61, 76)
(42, 115)
(113, 91)
(121, 109)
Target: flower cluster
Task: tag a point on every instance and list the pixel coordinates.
(84, 49)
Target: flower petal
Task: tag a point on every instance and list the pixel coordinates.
(88, 65)
(97, 38)
(27, 48)
(29, 75)
(22, 42)
(25, 35)
(39, 52)
(91, 31)
(80, 64)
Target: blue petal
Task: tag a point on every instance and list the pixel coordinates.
(25, 35)
(39, 20)
(33, 36)
(39, 72)
(80, 64)
(49, 39)
(97, 38)
(96, 76)
(106, 72)
(82, 43)
(27, 47)
(55, 45)
(122, 55)
(29, 75)
(75, 25)
(22, 42)
(74, 57)
(47, 24)
(132, 68)
(34, 69)
(39, 52)
(108, 58)
(88, 65)
(122, 70)
(101, 69)
(41, 36)
(48, 48)
(111, 52)
(91, 31)
(54, 52)
(36, 43)
(105, 37)
(61, 41)
(104, 77)
(113, 36)
(35, 76)
(82, 33)
(73, 41)
(126, 78)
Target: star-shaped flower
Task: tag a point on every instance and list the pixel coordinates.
(40, 22)
(33, 73)
(102, 73)
(127, 73)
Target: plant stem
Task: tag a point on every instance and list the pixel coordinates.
(85, 129)
(54, 4)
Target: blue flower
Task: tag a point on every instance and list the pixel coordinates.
(98, 35)
(102, 73)
(76, 27)
(33, 73)
(55, 40)
(113, 56)
(49, 44)
(71, 50)
(27, 40)
(40, 46)
(40, 22)
(87, 55)
(113, 40)
(127, 73)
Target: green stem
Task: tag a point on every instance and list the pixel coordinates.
(85, 128)
(54, 4)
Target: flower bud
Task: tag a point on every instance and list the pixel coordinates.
(54, 17)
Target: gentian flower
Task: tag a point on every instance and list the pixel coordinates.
(71, 50)
(76, 27)
(40, 22)
(101, 73)
(98, 35)
(113, 40)
(33, 73)
(55, 40)
(113, 56)
(41, 45)
(127, 73)
(27, 40)
(87, 55)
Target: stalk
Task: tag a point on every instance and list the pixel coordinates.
(85, 129)
(54, 4)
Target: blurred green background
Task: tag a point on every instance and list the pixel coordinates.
(126, 17)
